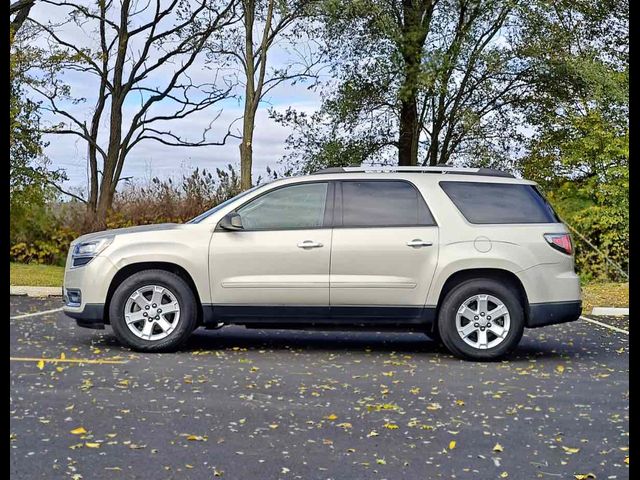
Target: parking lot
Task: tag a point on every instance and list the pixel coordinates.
(245, 404)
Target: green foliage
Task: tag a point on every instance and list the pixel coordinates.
(50, 251)
(579, 152)
(30, 193)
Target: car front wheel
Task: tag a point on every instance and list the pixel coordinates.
(481, 319)
(153, 311)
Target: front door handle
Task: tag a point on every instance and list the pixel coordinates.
(309, 244)
(419, 243)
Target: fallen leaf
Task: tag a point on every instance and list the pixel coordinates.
(570, 450)
(332, 417)
(584, 476)
(79, 431)
(452, 444)
(498, 448)
(91, 445)
(391, 426)
(559, 368)
(40, 364)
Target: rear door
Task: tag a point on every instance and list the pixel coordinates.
(384, 249)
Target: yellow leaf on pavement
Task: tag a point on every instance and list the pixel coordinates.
(452, 444)
(570, 450)
(498, 448)
(79, 431)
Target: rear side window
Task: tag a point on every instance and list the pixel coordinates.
(499, 202)
(383, 204)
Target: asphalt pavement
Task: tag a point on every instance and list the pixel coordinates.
(268, 404)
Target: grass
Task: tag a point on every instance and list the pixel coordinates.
(593, 294)
(604, 295)
(35, 275)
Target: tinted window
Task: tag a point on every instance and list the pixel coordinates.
(499, 202)
(384, 204)
(297, 206)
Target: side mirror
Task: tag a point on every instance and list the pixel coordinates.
(231, 221)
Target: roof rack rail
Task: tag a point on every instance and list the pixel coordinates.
(437, 169)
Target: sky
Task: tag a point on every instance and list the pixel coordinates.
(152, 159)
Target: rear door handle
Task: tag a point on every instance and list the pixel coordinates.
(309, 244)
(419, 243)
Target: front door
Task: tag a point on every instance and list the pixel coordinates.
(384, 251)
(278, 265)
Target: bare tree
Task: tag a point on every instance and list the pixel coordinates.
(143, 53)
(265, 24)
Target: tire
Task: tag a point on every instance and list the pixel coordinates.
(171, 289)
(473, 294)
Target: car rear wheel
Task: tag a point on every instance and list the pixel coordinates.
(481, 319)
(153, 311)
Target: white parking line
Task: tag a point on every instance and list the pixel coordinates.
(611, 327)
(35, 314)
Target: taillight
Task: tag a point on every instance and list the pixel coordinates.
(560, 241)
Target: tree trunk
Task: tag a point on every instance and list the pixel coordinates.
(408, 139)
(246, 146)
(415, 26)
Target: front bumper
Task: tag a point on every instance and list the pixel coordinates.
(92, 283)
(551, 313)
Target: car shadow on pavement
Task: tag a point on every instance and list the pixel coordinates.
(355, 342)
(313, 341)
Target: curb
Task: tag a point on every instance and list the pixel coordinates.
(610, 312)
(35, 291)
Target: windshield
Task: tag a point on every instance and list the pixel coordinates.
(218, 207)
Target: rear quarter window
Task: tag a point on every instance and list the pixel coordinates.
(484, 203)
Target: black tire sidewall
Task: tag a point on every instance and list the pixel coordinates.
(184, 295)
(455, 298)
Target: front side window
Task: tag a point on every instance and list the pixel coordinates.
(383, 204)
(292, 207)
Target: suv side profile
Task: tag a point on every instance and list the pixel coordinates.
(470, 257)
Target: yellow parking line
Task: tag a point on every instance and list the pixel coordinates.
(67, 360)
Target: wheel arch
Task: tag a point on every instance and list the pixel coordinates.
(497, 274)
(133, 268)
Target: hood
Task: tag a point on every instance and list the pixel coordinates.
(124, 231)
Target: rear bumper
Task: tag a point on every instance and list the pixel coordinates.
(91, 316)
(542, 314)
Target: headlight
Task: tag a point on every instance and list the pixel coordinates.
(84, 252)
